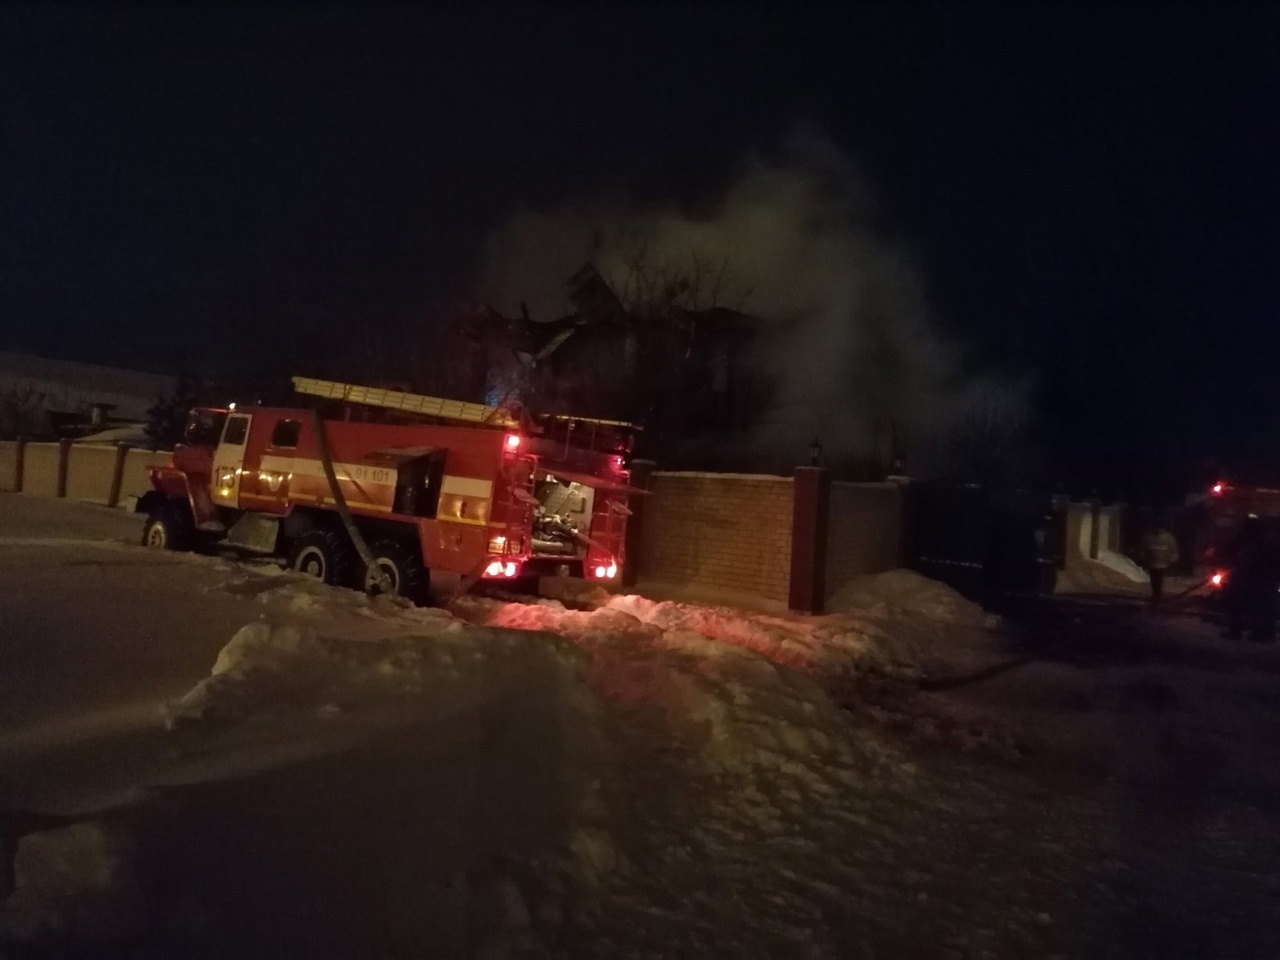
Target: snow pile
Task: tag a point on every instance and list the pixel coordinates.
(291, 667)
(701, 771)
(907, 593)
(1124, 566)
(940, 631)
(76, 882)
(1110, 573)
(681, 750)
(718, 753)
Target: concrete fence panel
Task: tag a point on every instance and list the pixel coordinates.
(865, 531)
(136, 482)
(40, 474)
(724, 533)
(89, 471)
(8, 464)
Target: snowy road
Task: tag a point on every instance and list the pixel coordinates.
(86, 625)
(96, 634)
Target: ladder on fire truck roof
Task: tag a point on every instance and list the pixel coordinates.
(420, 404)
(438, 407)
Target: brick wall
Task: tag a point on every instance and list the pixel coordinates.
(724, 533)
(864, 531)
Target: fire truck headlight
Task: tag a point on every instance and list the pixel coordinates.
(494, 569)
(612, 571)
(601, 571)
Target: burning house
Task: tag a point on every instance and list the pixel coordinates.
(679, 373)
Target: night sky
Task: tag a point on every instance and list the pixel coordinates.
(1092, 193)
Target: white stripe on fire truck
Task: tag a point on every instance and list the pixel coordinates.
(359, 473)
(467, 487)
(301, 466)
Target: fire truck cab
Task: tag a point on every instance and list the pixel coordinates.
(414, 484)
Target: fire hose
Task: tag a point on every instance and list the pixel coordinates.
(986, 673)
(375, 576)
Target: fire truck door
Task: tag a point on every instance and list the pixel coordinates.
(228, 461)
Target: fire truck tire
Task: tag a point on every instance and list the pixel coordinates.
(169, 527)
(403, 565)
(325, 555)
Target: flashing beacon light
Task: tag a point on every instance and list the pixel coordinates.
(1217, 488)
(1219, 578)
(231, 407)
(512, 442)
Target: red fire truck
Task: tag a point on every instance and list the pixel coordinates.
(1222, 509)
(383, 487)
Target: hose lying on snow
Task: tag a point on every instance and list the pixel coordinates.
(986, 673)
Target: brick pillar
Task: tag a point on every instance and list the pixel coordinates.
(809, 516)
(19, 463)
(64, 457)
(641, 472)
(117, 475)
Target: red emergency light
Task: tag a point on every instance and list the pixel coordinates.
(512, 442)
(1218, 488)
(1219, 578)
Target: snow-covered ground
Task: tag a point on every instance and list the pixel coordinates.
(618, 777)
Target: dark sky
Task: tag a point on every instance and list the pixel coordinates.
(1092, 192)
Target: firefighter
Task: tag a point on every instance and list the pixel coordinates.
(1252, 582)
(1159, 552)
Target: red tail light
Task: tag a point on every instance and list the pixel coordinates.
(502, 568)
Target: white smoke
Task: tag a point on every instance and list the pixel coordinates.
(847, 332)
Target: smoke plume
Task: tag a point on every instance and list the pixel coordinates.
(847, 334)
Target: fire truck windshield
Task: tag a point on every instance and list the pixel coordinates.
(204, 428)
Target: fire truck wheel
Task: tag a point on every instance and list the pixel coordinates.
(401, 564)
(325, 555)
(169, 527)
